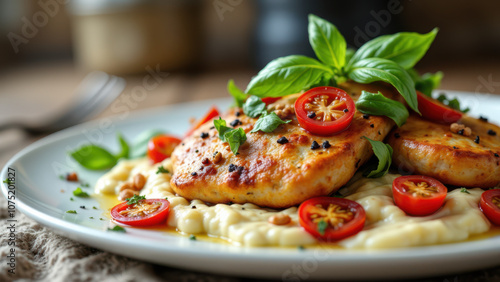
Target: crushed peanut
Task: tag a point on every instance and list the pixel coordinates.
(460, 129)
(279, 219)
(217, 157)
(127, 193)
(139, 181)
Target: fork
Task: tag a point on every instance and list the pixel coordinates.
(95, 93)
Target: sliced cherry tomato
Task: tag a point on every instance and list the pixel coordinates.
(212, 113)
(161, 147)
(436, 111)
(145, 213)
(325, 110)
(418, 195)
(490, 205)
(270, 100)
(331, 219)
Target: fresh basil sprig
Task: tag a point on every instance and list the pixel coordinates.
(235, 137)
(384, 58)
(268, 123)
(140, 145)
(254, 107)
(452, 103)
(384, 154)
(377, 104)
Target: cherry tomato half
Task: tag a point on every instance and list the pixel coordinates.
(418, 195)
(436, 111)
(325, 110)
(161, 147)
(145, 213)
(331, 219)
(270, 100)
(490, 205)
(212, 113)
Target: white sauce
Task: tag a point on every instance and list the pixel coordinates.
(387, 226)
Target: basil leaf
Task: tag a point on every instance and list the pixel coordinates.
(377, 104)
(452, 103)
(349, 52)
(125, 149)
(235, 138)
(327, 42)
(221, 127)
(384, 154)
(238, 95)
(287, 75)
(140, 145)
(254, 106)
(376, 69)
(117, 229)
(94, 157)
(404, 48)
(268, 123)
(428, 82)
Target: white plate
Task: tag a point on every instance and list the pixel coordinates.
(39, 196)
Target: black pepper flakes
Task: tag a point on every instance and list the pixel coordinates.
(314, 145)
(477, 139)
(366, 116)
(379, 133)
(397, 135)
(205, 161)
(345, 110)
(235, 123)
(194, 173)
(492, 132)
(282, 140)
(481, 118)
(326, 145)
(204, 135)
(496, 155)
(455, 147)
(238, 114)
(311, 115)
(212, 127)
(82, 207)
(193, 207)
(372, 125)
(461, 132)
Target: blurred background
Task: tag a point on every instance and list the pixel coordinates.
(181, 50)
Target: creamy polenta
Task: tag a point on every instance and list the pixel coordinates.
(387, 226)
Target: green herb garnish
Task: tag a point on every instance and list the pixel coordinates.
(322, 225)
(91, 217)
(117, 229)
(161, 169)
(384, 154)
(192, 237)
(385, 58)
(139, 146)
(377, 104)
(268, 123)
(301, 248)
(464, 190)
(71, 199)
(80, 193)
(71, 211)
(238, 95)
(254, 107)
(135, 199)
(452, 103)
(235, 137)
(8, 181)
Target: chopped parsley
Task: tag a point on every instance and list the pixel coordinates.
(135, 199)
(117, 229)
(80, 193)
(71, 211)
(464, 190)
(91, 217)
(452, 103)
(300, 248)
(322, 225)
(192, 237)
(71, 199)
(94, 207)
(161, 169)
(8, 181)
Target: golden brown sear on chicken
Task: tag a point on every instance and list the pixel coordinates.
(278, 169)
(466, 154)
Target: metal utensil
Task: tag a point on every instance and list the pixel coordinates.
(96, 92)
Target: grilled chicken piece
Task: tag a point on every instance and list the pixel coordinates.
(428, 148)
(270, 174)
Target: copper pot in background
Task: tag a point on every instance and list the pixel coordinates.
(123, 37)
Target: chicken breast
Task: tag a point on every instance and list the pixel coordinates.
(427, 148)
(270, 174)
